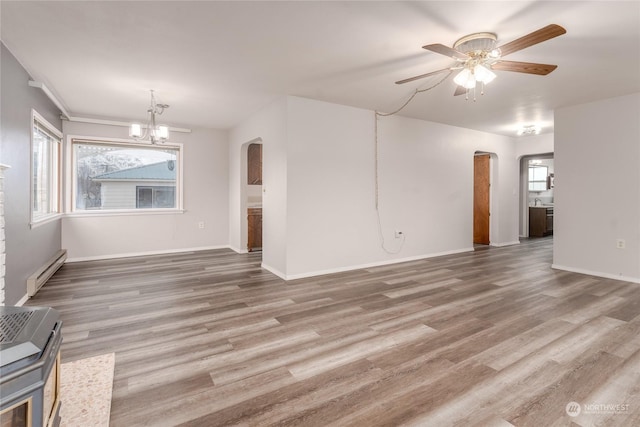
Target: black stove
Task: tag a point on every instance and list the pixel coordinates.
(30, 339)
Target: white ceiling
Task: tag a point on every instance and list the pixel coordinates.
(217, 62)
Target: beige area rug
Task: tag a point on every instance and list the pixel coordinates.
(85, 391)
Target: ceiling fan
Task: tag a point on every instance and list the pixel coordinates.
(476, 55)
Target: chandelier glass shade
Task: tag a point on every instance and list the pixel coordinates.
(154, 132)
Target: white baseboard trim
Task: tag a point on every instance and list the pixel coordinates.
(22, 300)
(499, 245)
(237, 250)
(274, 271)
(147, 253)
(596, 273)
(370, 265)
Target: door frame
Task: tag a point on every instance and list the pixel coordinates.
(243, 221)
(524, 191)
(493, 191)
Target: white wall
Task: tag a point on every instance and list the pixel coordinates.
(268, 126)
(332, 223)
(206, 196)
(527, 145)
(597, 188)
(319, 179)
(426, 188)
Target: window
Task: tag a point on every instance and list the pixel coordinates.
(537, 178)
(117, 176)
(45, 169)
(155, 197)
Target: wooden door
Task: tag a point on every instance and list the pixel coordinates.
(481, 190)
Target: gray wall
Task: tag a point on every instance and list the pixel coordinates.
(27, 249)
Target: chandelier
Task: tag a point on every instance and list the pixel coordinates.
(154, 132)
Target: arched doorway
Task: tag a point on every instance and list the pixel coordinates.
(254, 197)
(536, 193)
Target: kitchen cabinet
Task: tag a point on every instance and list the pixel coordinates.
(254, 164)
(540, 221)
(254, 229)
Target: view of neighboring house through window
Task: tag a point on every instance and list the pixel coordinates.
(155, 197)
(124, 176)
(45, 169)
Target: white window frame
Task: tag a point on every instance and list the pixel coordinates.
(54, 172)
(542, 182)
(125, 143)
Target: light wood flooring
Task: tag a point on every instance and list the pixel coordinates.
(493, 337)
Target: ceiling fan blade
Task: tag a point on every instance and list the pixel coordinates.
(524, 67)
(421, 76)
(446, 51)
(459, 91)
(546, 33)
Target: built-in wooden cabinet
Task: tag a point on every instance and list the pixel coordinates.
(540, 221)
(254, 229)
(254, 214)
(254, 164)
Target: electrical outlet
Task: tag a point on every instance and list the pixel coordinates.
(621, 244)
(201, 225)
(398, 234)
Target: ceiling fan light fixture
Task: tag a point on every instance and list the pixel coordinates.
(476, 42)
(465, 78)
(483, 74)
(477, 56)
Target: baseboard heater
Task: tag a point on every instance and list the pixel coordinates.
(40, 277)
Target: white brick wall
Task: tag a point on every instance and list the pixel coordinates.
(2, 246)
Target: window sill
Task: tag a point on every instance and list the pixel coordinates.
(87, 214)
(35, 223)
